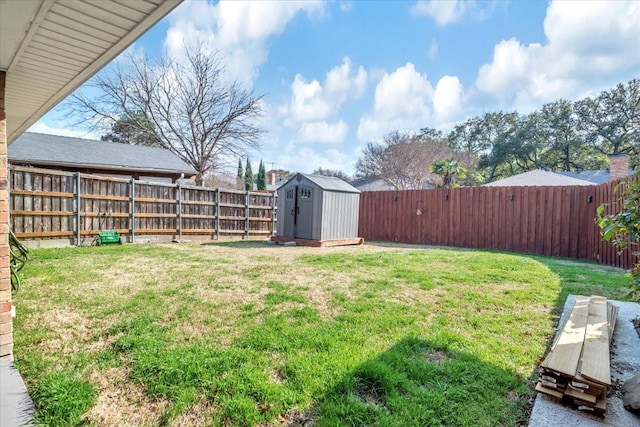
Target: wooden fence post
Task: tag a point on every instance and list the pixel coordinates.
(179, 188)
(132, 210)
(78, 207)
(273, 213)
(246, 214)
(218, 213)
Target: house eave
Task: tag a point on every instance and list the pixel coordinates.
(31, 90)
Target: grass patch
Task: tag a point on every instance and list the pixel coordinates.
(61, 398)
(241, 333)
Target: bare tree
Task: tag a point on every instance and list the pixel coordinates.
(185, 104)
(403, 160)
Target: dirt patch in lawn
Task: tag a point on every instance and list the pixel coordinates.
(68, 331)
(123, 402)
(198, 415)
(437, 357)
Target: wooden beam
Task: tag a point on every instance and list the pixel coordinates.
(565, 353)
(596, 365)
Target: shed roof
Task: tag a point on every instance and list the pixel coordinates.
(52, 150)
(330, 183)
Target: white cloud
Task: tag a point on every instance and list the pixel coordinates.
(447, 98)
(306, 159)
(511, 63)
(41, 127)
(346, 6)
(588, 44)
(405, 92)
(323, 131)
(313, 103)
(307, 102)
(402, 101)
(239, 29)
(341, 84)
(445, 12)
(433, 49)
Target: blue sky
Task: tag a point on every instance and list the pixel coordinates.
(336, 75)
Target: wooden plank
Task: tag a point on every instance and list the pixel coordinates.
(41, 213)
(612, 317)
(565, 353)
(156, 231)
(596, 365)
(39, 235)
(155, 215)
(580, 395)
(202, 203)
(101, 215)
(41, 193)
(105, 197)
(548, 391)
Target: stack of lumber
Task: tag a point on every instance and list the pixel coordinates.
(577, 369)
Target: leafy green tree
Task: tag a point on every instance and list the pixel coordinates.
(502, 134)
(622, 228)
(240, 175)
(612, 120)
(470, 136)
(248, 176)
(261, 180)
(449, 170)
(135, 129)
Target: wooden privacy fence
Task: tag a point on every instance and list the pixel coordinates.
(55, 204)
(554, 221)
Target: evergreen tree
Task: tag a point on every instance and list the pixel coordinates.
(248, 176)
(240, 175)
(261, 181)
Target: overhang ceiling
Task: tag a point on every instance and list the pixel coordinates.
(48, 48)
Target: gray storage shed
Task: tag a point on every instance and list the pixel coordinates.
(315, 207)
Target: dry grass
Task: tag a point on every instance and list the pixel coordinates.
(122, 402)
(106, 313)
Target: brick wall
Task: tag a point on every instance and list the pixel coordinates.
(6, 322)
(618, 166)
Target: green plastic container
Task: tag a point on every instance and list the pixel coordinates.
(107, 237)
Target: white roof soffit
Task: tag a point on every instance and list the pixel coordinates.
(50, 47)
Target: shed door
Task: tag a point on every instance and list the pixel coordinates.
(290, 209)
(304, 213)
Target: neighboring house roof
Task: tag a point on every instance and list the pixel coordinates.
(372, 183)
(595, 176)
(538, 177)
(39, 149)
(49, 48)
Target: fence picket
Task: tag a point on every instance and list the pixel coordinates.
(558, 221)
(76, 203)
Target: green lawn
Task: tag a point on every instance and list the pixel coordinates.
(241, 333)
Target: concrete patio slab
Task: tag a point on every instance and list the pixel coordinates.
(16, 407)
